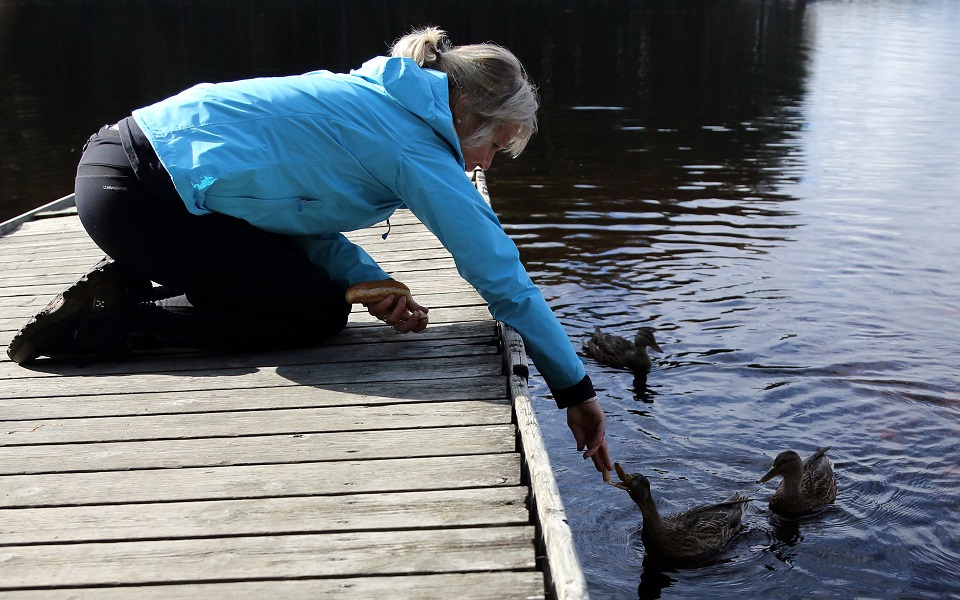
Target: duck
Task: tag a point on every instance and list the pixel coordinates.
(806, 484)
(615, 351)
(690, 535)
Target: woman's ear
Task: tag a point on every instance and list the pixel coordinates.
(460, 107)
(463, 120)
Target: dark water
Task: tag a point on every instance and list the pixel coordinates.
(772, 185)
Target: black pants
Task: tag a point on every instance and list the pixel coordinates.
(246, 288)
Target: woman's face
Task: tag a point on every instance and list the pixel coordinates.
(481, 156)
(478, 156)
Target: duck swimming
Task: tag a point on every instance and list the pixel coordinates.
(806, 484)
(615, 351)
(687, 535)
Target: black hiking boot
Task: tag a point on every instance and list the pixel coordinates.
(91, 318)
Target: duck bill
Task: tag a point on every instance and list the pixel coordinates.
(768, 476)
(625, 479)
(655, 346)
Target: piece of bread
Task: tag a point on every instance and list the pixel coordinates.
(371, 292)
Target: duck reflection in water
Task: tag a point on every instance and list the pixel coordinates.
(641, 391)
(653, 581)
(784, 537)
(655, 575)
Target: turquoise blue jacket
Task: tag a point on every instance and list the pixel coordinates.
(314, 155)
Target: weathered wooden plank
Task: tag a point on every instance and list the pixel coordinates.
(497, 585)
(255, 422)
(161, 402)
(62, 223)
(60, 204)
(565, 575)
(80, 249)
(16, 310)
(260, 377)
(37, 297)
(442, 315)
(8, 301)
(363, 330)
(418, 347)
(44, 229)
(265, 516)
(268, 557)
(257, 449)
(439, 315)
(260, 481)
(47, 234)
(431, 297)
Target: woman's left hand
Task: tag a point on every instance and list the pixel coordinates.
(400, 312)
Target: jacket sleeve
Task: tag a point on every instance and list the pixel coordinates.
(437, 191)
(345, 262)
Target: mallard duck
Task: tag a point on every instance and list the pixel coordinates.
(692, 534)
(806, 484)
(615, 351)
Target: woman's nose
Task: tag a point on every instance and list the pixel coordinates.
(487, 159)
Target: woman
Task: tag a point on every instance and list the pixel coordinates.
(233, 197)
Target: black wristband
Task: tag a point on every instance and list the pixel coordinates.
(575, 394)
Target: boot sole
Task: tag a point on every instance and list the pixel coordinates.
(46, 327)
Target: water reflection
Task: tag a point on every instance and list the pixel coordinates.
(652, 582)
(650, 61)
(656, 576)
(641, 391)
(786, 532)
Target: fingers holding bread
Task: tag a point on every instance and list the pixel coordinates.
(402, 312)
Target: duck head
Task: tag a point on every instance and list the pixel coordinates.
(637, 485)
(784, 462)
(645, 339)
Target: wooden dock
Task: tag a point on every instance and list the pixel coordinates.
(377, 466)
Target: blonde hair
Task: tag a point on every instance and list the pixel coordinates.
(486, 80)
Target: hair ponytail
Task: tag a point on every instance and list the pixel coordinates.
(497, 91)
(424, 46)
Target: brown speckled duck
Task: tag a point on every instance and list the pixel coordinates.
(615, 351)
(688, 535)
(806, 484)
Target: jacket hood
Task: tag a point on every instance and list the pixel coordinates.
(423, 92)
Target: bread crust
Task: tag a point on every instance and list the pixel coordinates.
(371, 292)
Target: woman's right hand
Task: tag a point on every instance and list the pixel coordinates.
(400, 312)
(588, 425)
